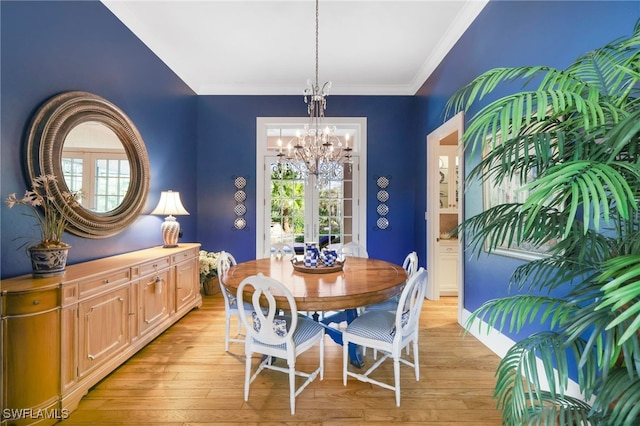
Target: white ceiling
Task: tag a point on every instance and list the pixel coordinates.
(267, 47)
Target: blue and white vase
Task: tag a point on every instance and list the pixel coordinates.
(329, 257)
(311, 255)
(48, 262)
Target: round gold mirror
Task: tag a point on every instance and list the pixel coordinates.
(91, 146)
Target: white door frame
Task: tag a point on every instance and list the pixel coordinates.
(360, 151)
(453, 125)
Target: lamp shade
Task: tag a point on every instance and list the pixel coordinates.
(170, 204)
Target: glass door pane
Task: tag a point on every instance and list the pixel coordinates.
(443, 162)
(302, 212)
(287, 203)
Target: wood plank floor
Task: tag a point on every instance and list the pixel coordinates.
(184, 377)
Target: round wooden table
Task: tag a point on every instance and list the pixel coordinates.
(361, 282)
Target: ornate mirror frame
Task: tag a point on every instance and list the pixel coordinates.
(45, 139)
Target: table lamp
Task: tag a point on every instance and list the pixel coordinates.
(170, 205)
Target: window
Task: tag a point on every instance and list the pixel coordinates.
(102, 177)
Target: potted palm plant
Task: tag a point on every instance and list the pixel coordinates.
(578, 130)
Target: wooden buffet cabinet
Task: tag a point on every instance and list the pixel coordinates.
(61, 335)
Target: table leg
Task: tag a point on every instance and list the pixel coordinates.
(348, 315)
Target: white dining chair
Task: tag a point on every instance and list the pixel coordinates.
(225, 261)
(410, 265)
(282, 251)
(277, 336)
(389, 333)
(353, 249)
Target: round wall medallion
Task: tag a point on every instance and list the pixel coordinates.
(382, 182)
(382, 223)
(240, 182)
(239, 223)
(383, 196)
(240, 196)
(383, 209)
(240, 209)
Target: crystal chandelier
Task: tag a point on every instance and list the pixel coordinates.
(317, 150)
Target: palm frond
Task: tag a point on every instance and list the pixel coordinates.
(505, 225)
(582, 183)
(618, 399)
(554, 410)
(622, 292)
(518, 384)
(503, 119)
(549, 273)
(519, 310)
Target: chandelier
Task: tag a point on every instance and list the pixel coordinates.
(317, 150)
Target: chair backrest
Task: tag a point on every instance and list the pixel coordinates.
(411, 264)
(410, 304)
(264, 324)
(353, 249)
(280, 250)
(225, 261)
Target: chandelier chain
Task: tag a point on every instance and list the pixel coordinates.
(317, 32)
(317, 150)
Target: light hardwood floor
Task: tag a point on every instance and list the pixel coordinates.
(184, 377)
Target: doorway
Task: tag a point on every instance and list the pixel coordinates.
(445, 209)
(291, 209)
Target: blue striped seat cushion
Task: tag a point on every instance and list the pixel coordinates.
(376, 325)
(305, 330)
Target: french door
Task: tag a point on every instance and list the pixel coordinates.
(299, 211)
(293, 211)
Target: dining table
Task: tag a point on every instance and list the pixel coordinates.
(337, 292)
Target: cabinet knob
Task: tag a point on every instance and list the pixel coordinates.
(36, 302)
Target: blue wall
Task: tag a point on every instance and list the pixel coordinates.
(196, 144)
(50, 47)
(516, 33)
(226, 148)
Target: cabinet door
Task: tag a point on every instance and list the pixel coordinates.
(448, 269)
(154, 300)
(31, 361)
(103, 328)
(187, 282)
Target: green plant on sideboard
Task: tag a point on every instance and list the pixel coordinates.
(577, 130)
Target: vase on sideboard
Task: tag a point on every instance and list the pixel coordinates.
(48, 261)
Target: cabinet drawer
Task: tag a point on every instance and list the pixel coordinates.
(29, 302)
(184, 255)
(103, 282)
(155, 266)
(448, 247)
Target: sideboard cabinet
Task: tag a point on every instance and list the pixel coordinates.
(62, 335)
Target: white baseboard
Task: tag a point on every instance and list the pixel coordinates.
(500, 344)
